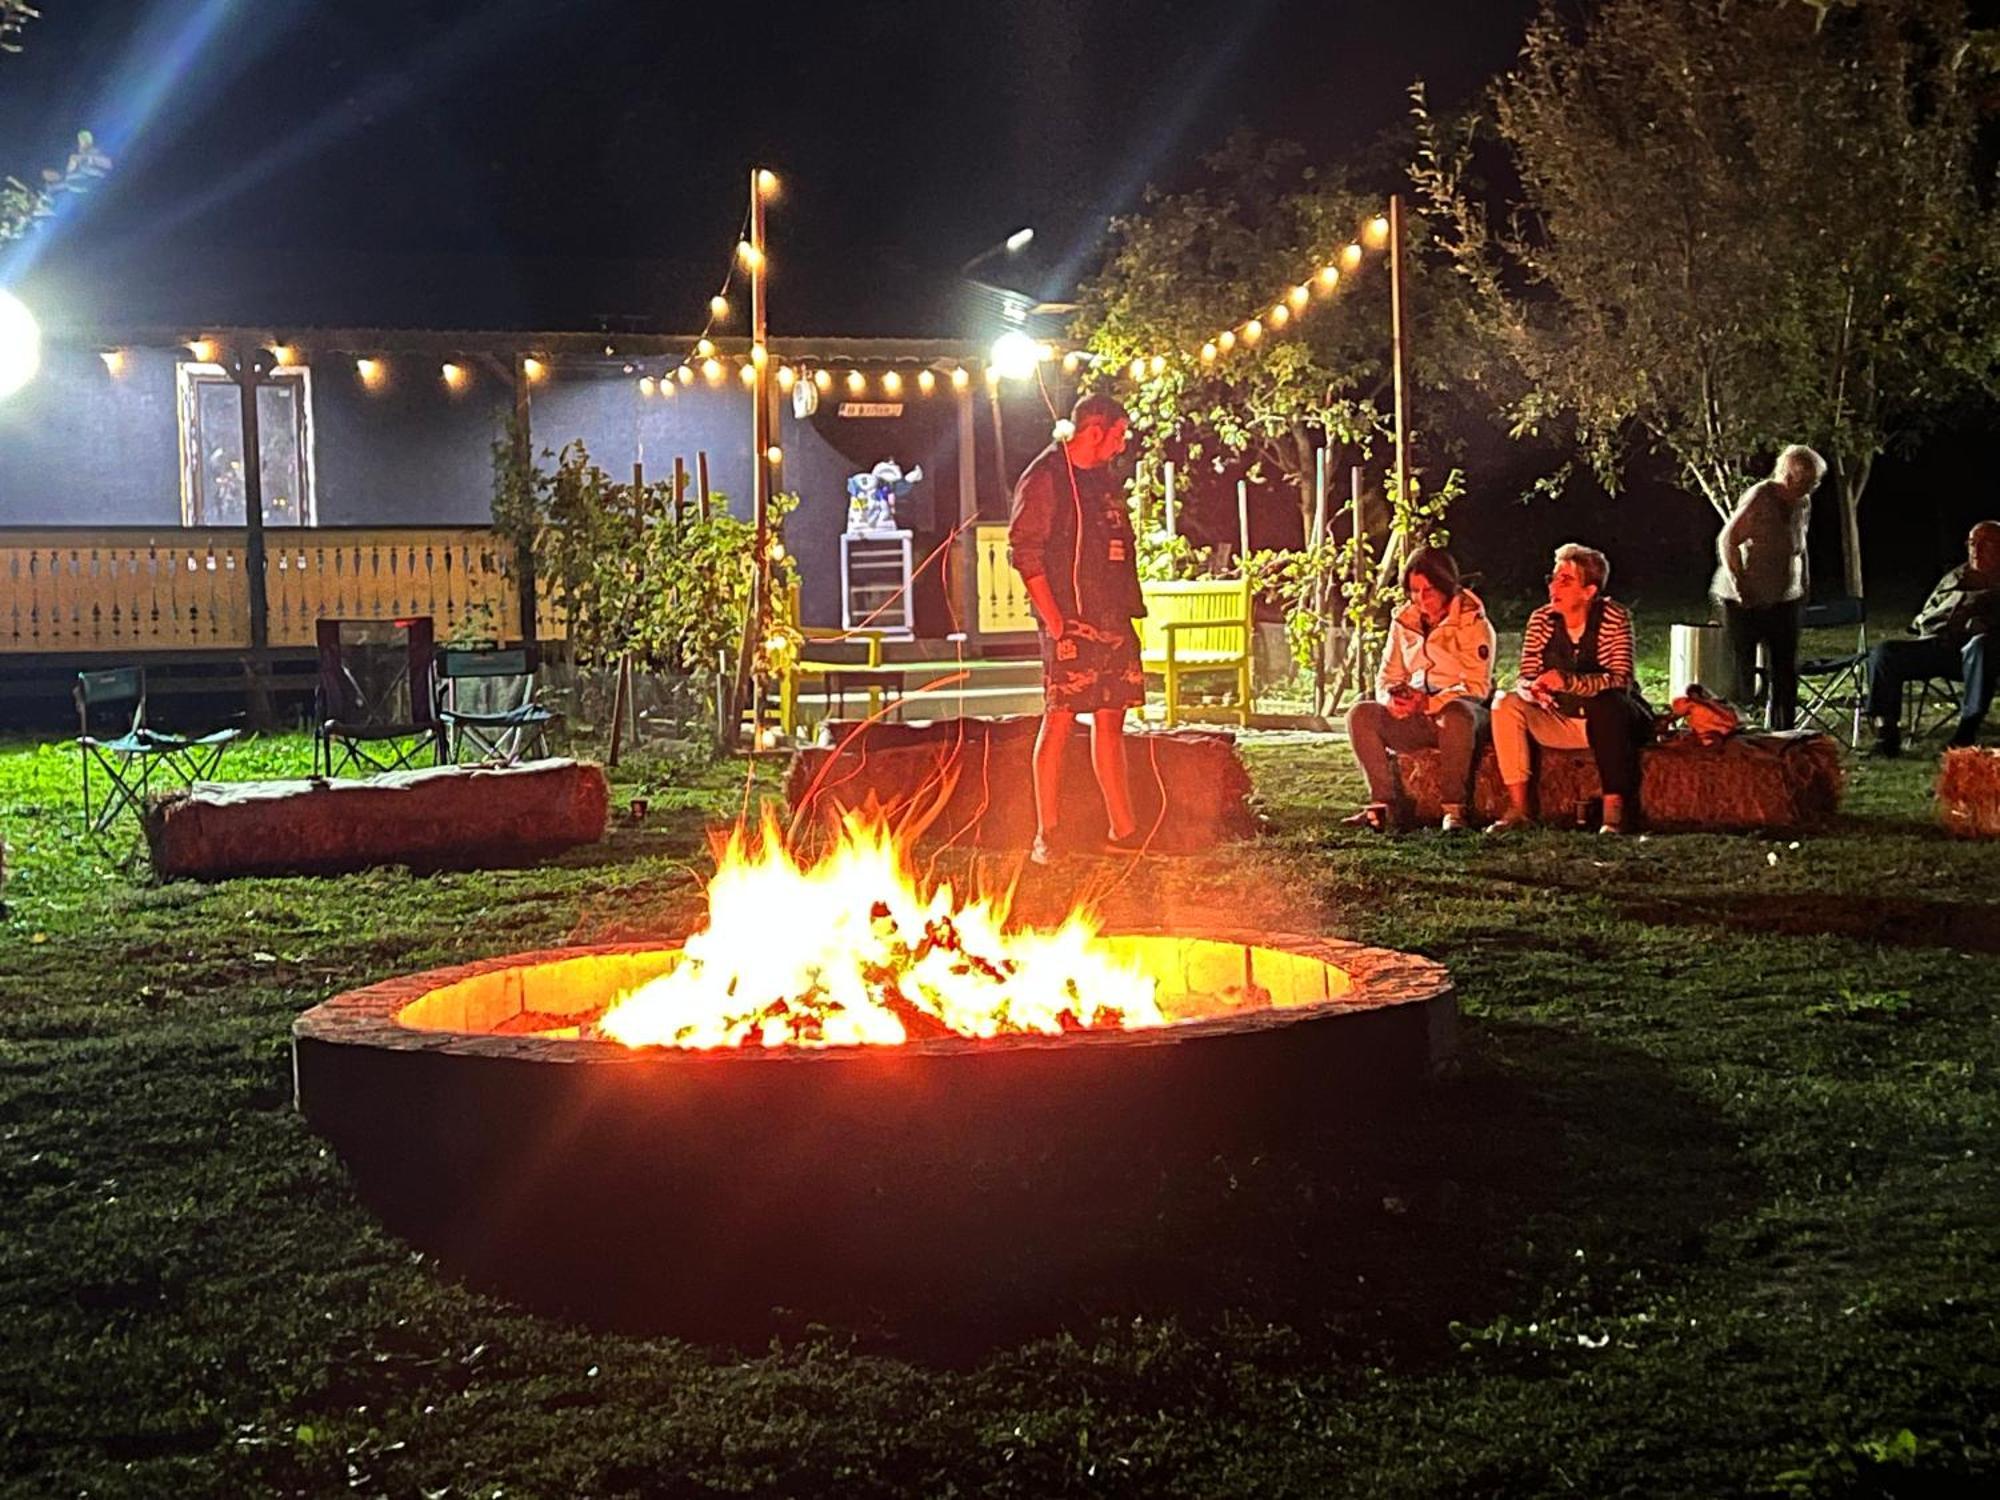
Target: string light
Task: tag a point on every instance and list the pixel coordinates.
(892, 383)
(684, 375)
(203, 350)
(645, 385)
(718, 307)
(774, 454)
(1295, 301)
(533, 369)
(454, 375)
(712, 368)
(1070, 361)
(750, 255)
(758, 355)
(767, 181)
(786, 377)
(114, 362)
(284, 354)
(704, 347)
(959, 378)
(926, 381)
(371, 371)
(748, 372)
(822, 380)
(856, 382)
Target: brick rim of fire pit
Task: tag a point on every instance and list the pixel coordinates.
(1380, 978)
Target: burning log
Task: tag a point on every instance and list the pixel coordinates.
(1968, 793)
(969, 780)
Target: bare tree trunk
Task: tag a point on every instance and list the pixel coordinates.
(1852, 484)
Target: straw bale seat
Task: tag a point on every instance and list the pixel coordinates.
(1968, 793)
(969, 781)
(1784, 781)
(445, 816)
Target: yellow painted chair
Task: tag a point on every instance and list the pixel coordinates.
(1198, 627)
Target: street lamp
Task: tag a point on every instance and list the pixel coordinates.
(1015, 355)
(20, 344)
(1014, 242)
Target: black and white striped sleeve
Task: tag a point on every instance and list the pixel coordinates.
(1614, 656)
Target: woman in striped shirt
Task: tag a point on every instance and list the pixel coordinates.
(1577, 690)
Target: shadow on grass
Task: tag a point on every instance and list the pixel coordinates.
(1367, 1232)
(1889, 921)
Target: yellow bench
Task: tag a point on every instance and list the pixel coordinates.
(805, 666)
(1201, 625)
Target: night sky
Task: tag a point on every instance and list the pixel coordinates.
(571, 163)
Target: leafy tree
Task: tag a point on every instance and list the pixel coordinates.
(23, 205)
(1193, 263)
(1740, 223)
(632, 577)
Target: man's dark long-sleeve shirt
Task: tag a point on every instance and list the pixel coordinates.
(1071, 526)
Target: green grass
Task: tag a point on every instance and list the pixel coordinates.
(1709, 1206)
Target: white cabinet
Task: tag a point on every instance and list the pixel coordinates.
(875, 583)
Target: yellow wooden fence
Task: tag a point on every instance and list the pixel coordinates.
(1003, 600)
(133, 589)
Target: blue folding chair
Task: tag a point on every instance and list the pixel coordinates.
(126, 760)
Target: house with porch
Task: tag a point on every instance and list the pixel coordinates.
(124, 537)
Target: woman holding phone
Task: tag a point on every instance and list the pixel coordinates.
(1431, 691)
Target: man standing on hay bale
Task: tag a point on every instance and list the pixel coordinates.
(1070, 539)
(1954, 630)
(1576, 690)
(1761, 580)
(1431, 690)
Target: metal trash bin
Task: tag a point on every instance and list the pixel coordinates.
(1698, 653)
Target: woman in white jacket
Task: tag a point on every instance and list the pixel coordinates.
(1432, 691)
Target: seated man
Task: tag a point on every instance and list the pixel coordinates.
(1952, 630)
(1577, 689)
(1435, 678)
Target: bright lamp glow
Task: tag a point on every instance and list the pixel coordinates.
(1015, 355)
(20, 345)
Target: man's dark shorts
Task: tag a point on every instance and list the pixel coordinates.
(1090, 668)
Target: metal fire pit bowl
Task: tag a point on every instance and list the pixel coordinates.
(695, 1191)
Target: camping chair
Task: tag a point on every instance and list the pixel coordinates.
(127, 761)
(1833, 690)
(376, 708)
(486, 697)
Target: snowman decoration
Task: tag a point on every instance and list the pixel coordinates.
(872, 497)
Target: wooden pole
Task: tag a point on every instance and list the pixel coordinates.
(1399, 329)
(701, 481)
(1242, 521)
(619, 678)
(762, 440)
(968, 518)
(1319, 582)
(524, 458)
(251, 367)
(1170, 500)
(680, 487)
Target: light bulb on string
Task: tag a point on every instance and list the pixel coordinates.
(787, 377)
(1279, 314)
(767, 181)
(712, 369)
(926, 381)
(1351, 256)
(1378, 229)
(1157, 365)
(1208, 351)
(892, 383)
(1070, 361)
(750, 255)
(1298, 296)
(645, 385)
(1252, 331)
(748, 372)
(704, 347)
(1137, 368)
(823, 380)
(1226, 340)
(684, 375)
(959, 379)
(1329, 275)
(856, 382)
(718, 307)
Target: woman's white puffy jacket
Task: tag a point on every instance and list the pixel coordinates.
(1454, 658)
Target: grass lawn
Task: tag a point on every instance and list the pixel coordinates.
(1711, 1205)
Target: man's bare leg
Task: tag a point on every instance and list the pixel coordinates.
(1107, 758)
(1050, 742)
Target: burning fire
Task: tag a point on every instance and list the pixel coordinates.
(851, 948)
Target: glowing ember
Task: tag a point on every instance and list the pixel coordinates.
(852, 949)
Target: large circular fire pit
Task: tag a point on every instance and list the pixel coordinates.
(688, 1188)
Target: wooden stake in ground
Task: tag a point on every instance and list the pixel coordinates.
(1399, 329)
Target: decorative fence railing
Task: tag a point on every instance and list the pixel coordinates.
(138, 589)
(1003, 601)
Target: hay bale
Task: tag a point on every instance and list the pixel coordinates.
(1786, 781)
(1968, 793)
(458, 816)
(969, 781)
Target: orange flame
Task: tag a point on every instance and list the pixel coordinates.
(851, 948)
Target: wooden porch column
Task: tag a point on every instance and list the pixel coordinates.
(524, 458)
(968, 522)
(249, 368)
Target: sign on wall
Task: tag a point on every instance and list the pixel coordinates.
(871, 408)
